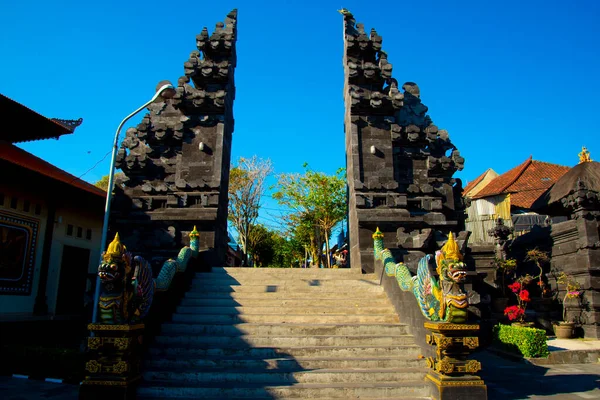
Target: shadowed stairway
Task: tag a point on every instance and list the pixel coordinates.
(284, 333)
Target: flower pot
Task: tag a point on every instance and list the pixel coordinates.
(564, 330)
(499, 304)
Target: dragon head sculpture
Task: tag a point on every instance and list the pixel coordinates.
(116, 264)
(452, 272)
(115, 276)
(449, 262)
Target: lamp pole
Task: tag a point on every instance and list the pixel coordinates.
(167, 91)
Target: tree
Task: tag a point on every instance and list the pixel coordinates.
(103, 182)
(318, 202)
(288, 252)
(260, 245)
(246, 187)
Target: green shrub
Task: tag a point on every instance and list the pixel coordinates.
(529, 342)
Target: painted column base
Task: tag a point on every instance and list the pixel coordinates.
(452, 373)
(445, 387)
(113, 366)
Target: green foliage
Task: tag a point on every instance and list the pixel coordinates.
(246, 187)
(260, 245)
(103, 182)
(529, 342)
(318, 203)
(270, 249)
(288, 252)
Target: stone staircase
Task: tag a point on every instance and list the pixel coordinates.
(245, 333)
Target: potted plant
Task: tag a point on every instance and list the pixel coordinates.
(564, 329)
(503, 269)
(516, 313)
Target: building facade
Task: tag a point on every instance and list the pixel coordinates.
(50, 225)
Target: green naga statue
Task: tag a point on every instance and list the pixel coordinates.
(440, 299)
(126, 283)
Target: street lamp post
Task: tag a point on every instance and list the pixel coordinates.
(166, 90)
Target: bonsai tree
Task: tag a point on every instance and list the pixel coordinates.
(503, 268)
(539, 258)
(573, 291)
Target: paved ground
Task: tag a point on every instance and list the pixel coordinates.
(29, 389)
(506, 380)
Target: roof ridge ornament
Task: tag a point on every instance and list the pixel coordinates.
(584, 156)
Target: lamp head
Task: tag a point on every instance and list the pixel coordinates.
(165, 90)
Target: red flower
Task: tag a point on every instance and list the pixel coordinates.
(524, 295)
(515, 287)
(513, 312)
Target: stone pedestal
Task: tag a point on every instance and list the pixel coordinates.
(113, 362)
(452, 374)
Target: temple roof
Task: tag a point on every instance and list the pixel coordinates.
(21, 124)
(526, 182)
(17, 156)
(586, 173)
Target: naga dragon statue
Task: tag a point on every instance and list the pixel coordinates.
(440, 299)
(127, 286)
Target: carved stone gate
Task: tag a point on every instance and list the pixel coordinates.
(176, 161)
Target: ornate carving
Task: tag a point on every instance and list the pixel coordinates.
(93, 366)
(443, 342)
(584, 156)
(120, 367)
(114, 358)
(122, 343)
(472, 367)
(471, 342)
(94, 342)
(444, 366)
(453, 344)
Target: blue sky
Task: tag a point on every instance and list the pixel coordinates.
(507, 79)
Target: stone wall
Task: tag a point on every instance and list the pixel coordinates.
(576, 251)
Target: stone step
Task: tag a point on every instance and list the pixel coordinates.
(402, 390)
(280, 341)
(282, 364)
(341, 295)
(279, 378)
(283, 329)
(288, 318)
(317, 311)
(295, 272)
(294, 288)
(281, 281)
(268, 302)
(331, 352)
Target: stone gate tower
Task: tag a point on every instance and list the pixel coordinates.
(399, 165)
(176, 161)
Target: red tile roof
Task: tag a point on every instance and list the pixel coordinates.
(20, 157)
(525, 183)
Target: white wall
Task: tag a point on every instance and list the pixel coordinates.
(85, 220)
